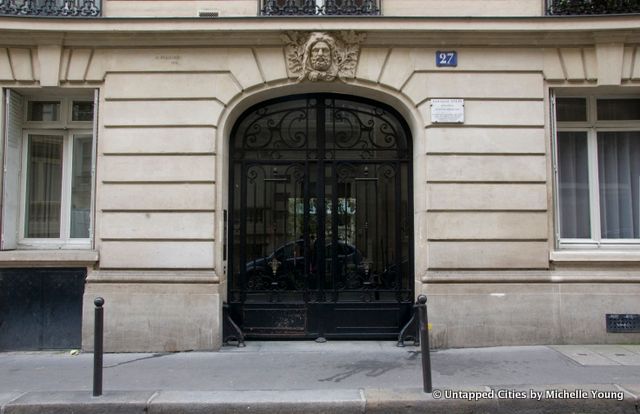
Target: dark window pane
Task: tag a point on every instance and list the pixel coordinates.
(571, 109)
(43, 111)
(619, 178)
(618, 109)
(44, 186)
(82, 111)
(573, 176)
(81, 187)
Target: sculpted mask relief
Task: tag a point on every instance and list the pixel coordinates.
(323, 56)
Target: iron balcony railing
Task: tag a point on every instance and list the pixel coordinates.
(584, 7)
(50, 8)
(320, 7)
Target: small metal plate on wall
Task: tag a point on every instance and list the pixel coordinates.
(623, 323)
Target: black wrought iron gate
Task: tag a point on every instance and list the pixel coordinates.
(320, 238)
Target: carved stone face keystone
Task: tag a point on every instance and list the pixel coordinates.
(323, 56)
(320, 56)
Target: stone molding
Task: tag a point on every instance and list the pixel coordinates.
(570, 275)
(156, 276)
(53, 258)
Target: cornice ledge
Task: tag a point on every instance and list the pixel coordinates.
(617, 36)
(482, 276)
(262, 24)
(154, 276)
(52, 258)
(594, 256)
(259, 31)
(551, 276)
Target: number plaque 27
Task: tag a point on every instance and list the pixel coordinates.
(446, 58)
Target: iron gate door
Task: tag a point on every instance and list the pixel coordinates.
(320, 240)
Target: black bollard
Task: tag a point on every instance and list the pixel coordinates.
(98, 335)
(424, 343)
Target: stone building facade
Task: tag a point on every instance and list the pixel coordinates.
(520, 215)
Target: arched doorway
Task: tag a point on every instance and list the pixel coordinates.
(321, 219)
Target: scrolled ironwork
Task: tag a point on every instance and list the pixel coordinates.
(321, 196)
(286, 130)
(369, 130)
(592, 7)
(320, 8)
(349, 130)
(50, 8)
(277, 129)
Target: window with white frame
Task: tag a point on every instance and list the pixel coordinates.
(48, 174)
(598, 170)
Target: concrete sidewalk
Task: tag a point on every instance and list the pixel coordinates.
(337, 376)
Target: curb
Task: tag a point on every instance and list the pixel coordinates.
(477, 400)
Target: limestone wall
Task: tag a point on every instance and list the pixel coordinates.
(160, 122)
(484, 244)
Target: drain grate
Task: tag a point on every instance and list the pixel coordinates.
(623, 323)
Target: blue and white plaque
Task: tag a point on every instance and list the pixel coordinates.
(446, 58)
